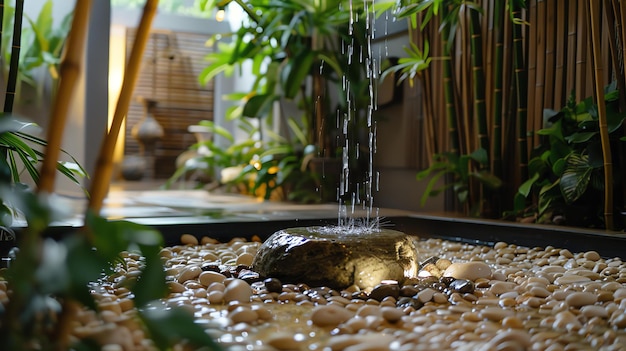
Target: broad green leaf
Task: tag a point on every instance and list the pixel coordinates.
(576, 177)
(480, 155)
(169, 325)
(259, 105)
(151, 284)
(527, 186)
(519, 202)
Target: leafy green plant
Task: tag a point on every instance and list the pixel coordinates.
(459, 170)
(179, 7)
(49, 280)
(23, 154)
(298, 54)
(286, 43)
(42, 43)
(283, 169)
(210, 157)
(566, 170)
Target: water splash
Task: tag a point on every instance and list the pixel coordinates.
(372, 70)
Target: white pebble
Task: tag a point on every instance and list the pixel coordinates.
(237, 290)
(594, 311)
(189, 273)
(592, 255)
(571, 279)
(469, 270)
(245, 259)
(209, 277)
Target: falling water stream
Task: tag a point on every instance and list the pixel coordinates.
(359, 56)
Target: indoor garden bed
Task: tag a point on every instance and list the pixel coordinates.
(474, 291)
(481, 285)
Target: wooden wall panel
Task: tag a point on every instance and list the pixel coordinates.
(173, 82)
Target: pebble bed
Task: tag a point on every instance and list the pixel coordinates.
(467, 297)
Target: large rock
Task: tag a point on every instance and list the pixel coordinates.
(336, 257)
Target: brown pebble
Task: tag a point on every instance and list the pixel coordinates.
(591, 255)
(243, 314)
(188, 239)
(578, 299)
(284, 341)
(329, 315)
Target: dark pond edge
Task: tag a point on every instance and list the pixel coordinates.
(461, 229)
(488, 232)
(467, 230)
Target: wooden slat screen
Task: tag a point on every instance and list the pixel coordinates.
(173, 82)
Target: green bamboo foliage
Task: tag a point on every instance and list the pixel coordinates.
(15, 56)
(594, 13)
(521, 85)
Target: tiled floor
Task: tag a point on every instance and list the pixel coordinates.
(145, 203)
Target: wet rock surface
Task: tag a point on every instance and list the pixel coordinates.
(335, 257)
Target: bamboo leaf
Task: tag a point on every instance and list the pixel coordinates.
(295, 72)
(429, 190)
(295, 128)
(488, 179)
(259, 105)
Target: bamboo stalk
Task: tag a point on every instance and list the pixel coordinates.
(581, 51)
(594, 12)
(531, 66)
(535, 109)
(614, 44)
(522, 89)
(480, 112)
(550, 63)
(69, 69)
(448, 88)
(15, 56)
(561, 40)
(464, 89)
(498, 100)
(572, 43)
(622, 21)
(104, 165)
(605, 47)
